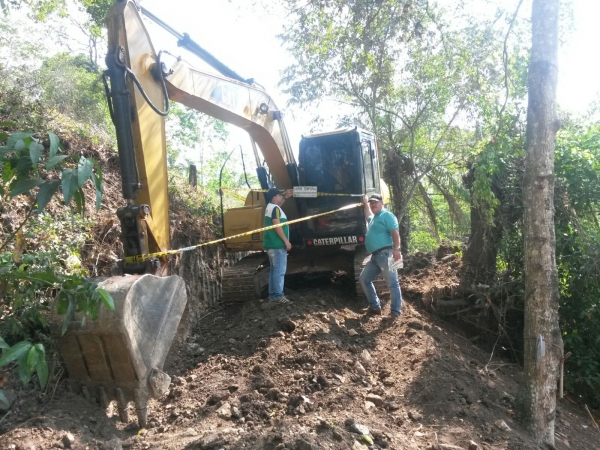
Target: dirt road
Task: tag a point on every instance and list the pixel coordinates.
(313, 375)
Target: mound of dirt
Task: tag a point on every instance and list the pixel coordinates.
(316, 374)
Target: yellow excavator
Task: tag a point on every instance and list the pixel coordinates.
(121, 355)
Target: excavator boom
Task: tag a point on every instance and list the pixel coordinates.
(148, 87)
(246, 106)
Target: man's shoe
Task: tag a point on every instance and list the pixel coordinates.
(370, 311)
(282, 301)
(391, 318)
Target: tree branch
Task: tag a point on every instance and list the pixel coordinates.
(505, 61)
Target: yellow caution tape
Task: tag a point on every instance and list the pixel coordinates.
(141, 258)
(319, 194)
(234, 195)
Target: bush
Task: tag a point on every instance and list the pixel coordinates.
(577, 202)
(34, 171)
(422, 241)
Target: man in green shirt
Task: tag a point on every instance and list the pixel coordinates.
(276, 242)
(382, 242)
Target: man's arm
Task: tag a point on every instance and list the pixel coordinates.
(367, 208)
(281, 234)
(275, 217)
(396, 238)
(287, 194)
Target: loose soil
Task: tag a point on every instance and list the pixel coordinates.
(316, 374)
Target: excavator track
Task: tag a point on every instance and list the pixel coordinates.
(361, 258)
(238, 283)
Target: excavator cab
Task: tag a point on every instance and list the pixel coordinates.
(343, 165)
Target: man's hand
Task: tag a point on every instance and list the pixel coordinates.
(288, 193)
(397, 255)
(365, 200)
(288, 246)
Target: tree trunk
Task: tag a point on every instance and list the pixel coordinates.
(480, 255)
(543, 342)
(397, 171)
(193, 175)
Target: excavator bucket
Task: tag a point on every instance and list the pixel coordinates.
(120, 355)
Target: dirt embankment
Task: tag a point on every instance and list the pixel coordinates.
(314, 375)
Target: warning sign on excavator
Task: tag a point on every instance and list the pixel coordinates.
(305, 191)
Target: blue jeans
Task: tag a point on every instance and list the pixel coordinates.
(278, 262)
(378, 264)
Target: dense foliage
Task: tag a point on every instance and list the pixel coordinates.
(35, 172)
(577, 200)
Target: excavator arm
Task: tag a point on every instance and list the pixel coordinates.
(121, 355)
(140, 89)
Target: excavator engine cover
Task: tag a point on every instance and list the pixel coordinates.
(120, 355)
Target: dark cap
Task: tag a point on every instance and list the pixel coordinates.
(375, 198)
(272, 193)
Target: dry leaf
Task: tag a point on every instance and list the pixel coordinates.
(3, 379)
(19, 246)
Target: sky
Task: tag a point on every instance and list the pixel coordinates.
(246, 40)
(579, 64)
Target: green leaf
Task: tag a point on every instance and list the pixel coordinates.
(106, 299)
(3, 137)
(54, 144)
(24, 164)
(35, 151)
(44, 276)
(3, 344)
(7, 172)
(68, 316)
(42, 371)
(15, 352)
(32, 359)
(98, 172)
(53, 161)
(98, 185)
(69, 184)
(40, 348)
(25, 186)
(24, 372)
(16, 137)
(46, 192)
(62, 303)
(8, 124)
(23, 143)
(79, 201)
(84, 170)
